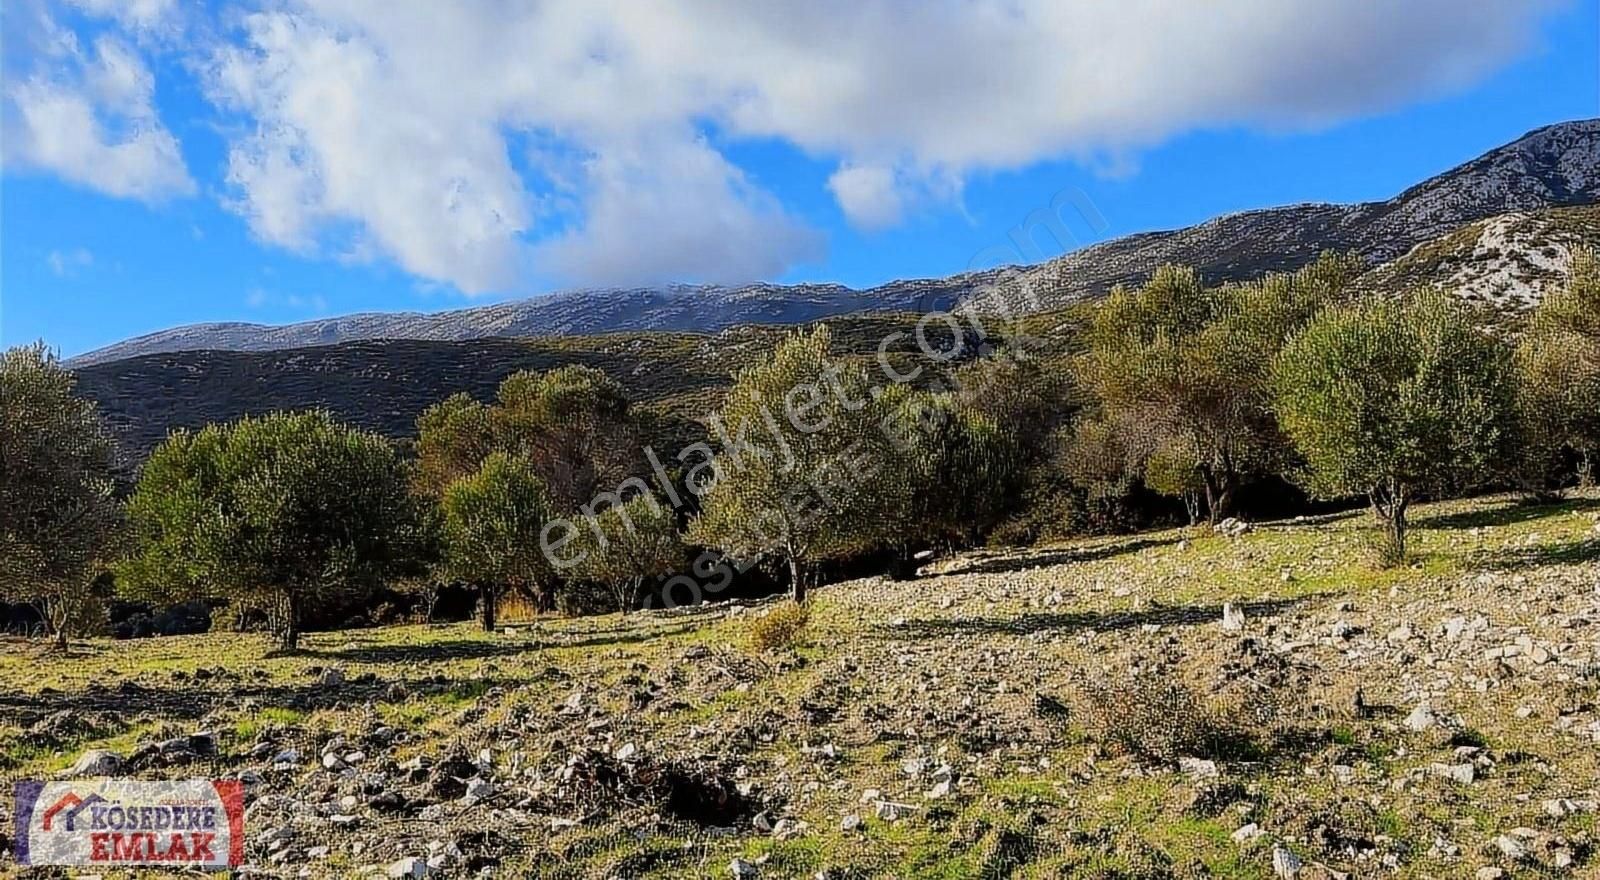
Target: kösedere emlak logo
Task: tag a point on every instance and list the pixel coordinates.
(193, 823)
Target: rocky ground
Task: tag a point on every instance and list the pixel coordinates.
(1260, 703)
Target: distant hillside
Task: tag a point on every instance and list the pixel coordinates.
(1506, 261)
(1554, 166)
(383, 385)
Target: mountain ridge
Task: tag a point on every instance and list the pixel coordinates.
(1551, 166)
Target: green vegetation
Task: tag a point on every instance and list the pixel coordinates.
(1041, 792)
(625, 546)
(278, 513)
(807, 473)
(1395, 398)
(780, 627)
(1181, 372)
(494, 532)
(1558, 361)
(864, 442)
(58, 522)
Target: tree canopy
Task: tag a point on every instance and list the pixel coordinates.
(277, 511)
(493, 528)
(58, 518)
(808, 472)
(1389, 398)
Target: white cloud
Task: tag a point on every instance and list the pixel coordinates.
(139, 15)
(482, 143)
(675, 209)
(90, 118)
(868, 195)
(67, 263)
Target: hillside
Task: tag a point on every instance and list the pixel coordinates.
(1507, 262)
(1552, 166)
(383, 385)
(1433, 722)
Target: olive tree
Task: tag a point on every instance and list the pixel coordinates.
(573, 424)
(1558, 371)
(1184, 369)
(953, 463)
(454, 436)
(492, 522)
(284, 512)
(1391, 398)
(807, 472)
(58, 519)
(625, 546)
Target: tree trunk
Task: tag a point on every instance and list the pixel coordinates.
(1389, 502)
(486, 606)
(1191, 505)
(797, 581)
(625, 595)
(1397, 528)
(54, 613)
(1219, 493)
(289, 638)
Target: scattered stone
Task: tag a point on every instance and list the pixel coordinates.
(1464, 774)
(742, 870)
(1199, 768)
(408, 867)
(96, 762)
(1421, 718)
(1246, 833)
(889, 811)
(1232, 618)
(850, 823)
(1285, 864)
(332, 677)
(1511, 848)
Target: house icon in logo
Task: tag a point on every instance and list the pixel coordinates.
(72, 805)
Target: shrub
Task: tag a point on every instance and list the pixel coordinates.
(783, 626)
(1159, 719)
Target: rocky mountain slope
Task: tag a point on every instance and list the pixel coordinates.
(1507, 262)
(1553, 166)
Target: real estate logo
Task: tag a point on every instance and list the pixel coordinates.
(194, 823)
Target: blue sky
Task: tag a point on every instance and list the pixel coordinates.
(167, 165)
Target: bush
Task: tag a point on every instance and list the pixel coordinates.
(782, 627)
(1158, 719)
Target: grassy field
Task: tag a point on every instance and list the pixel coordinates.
(991, 704)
